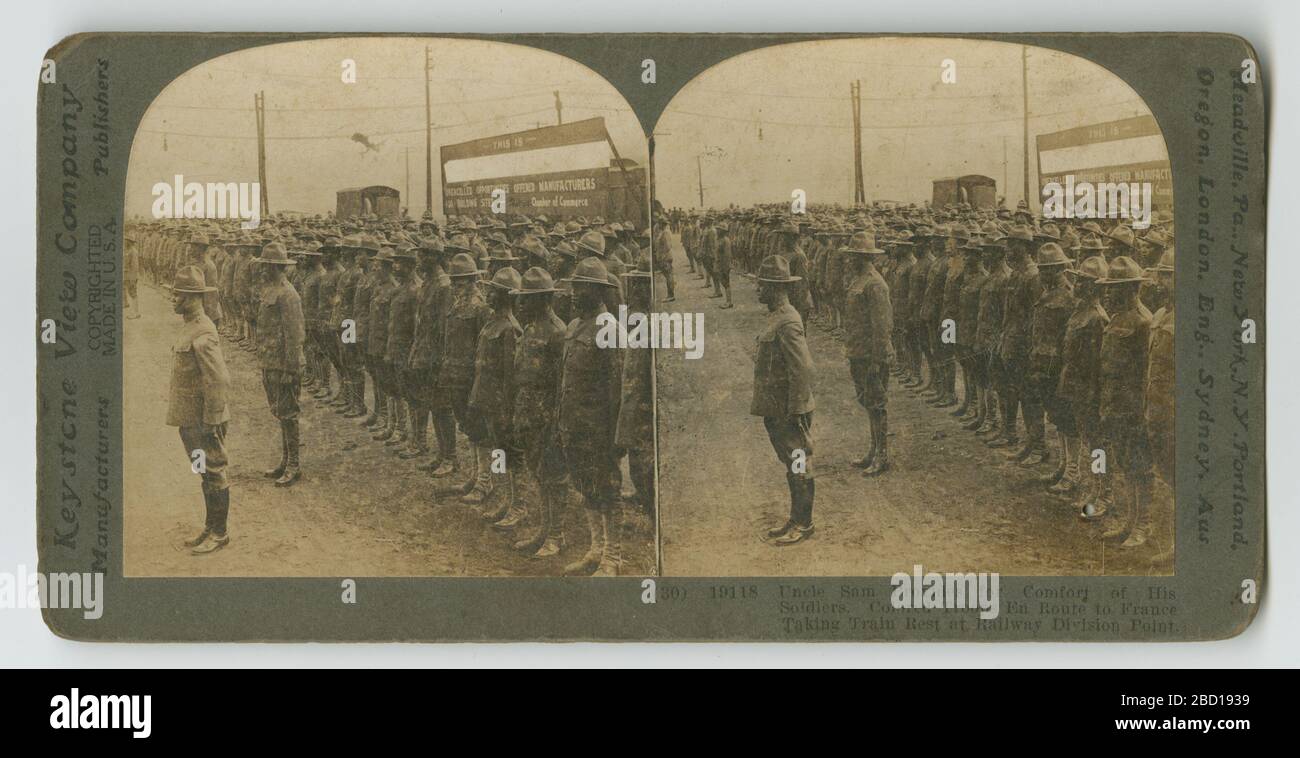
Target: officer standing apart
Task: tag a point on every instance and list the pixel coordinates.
(783, 377)
(200, 385)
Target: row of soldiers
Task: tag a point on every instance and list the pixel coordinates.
(480, 328)
(1048, 321)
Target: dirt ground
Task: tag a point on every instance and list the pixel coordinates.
(949, 504)
(357, 511)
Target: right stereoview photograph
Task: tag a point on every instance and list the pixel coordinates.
(936, 279)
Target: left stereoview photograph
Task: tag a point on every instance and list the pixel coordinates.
(363, 278)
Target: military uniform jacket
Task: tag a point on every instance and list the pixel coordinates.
(200, 383)
(917, 281)
(1023, 291)
(280, 329)
(1125, 345)
(868, 321)
(1160, 371)
(244, 282)
(311, 300)
(968, 317)
(952, 285)
(636, 408)
(1051, 313)
(381, 295)
(430, 320)
(494, 366)
(936, 278)
(212, 300)
(329, 280)
(1081, 356)
(538, 353)
(465, 319)
(662, 252)
(799, 296)
(401, 321)
(344, 290)
(783, 367)
(361, 306)
(900, 291)
(722, 255)
(988, 333)
(590, 386)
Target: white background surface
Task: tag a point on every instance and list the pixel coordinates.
(32, 28)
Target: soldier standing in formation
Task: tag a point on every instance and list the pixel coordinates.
(868, 345)
(280, 336)
(197, 403)
(589, 395)
(783, 378)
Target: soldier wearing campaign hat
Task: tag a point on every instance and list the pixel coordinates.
(280, 337)
(1080, 383)
(783, 379)
(1047, 331)
(426, 355)
(1160, 370)
(198, 403)
(868, 344)
(537, 361)
(588, 407)
(199, 248)
(635, 432)
(466, 316)
(402, 307)
(1125, 352)
(969, 356)
(1023, 288)
(390, 426)
(492, 396)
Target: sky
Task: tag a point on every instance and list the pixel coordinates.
(203, 124)
(779, 119)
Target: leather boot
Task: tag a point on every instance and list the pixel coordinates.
(278, 471)
(376, 407)
(291, 471)
(417, 443)
(591, 559)
(1053, 477)
(203, 536)
(801, 526)
(880, 425)
(390, 420)
(1120, 518)
(780, 531)
(557, 500)
(220, 511)
(866, 460)
(403, 425)
(504, 485)
(358, 407)
(1141, 521)
(531, 530)
(611, 559)
(479, 486)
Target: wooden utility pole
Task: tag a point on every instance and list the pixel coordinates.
(699, 173)
(407, 153)
(559, 108)
(428, 133)
(1024, 90)
(855, 98)
(259, 107)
